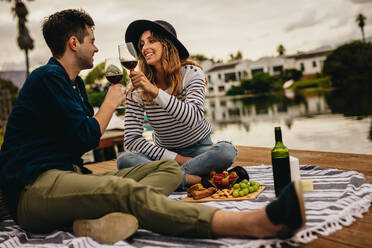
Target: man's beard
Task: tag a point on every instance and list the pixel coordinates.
(85, 63)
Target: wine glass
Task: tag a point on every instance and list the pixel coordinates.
(128, 57)
(113, 70)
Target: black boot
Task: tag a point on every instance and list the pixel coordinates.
(288, 209)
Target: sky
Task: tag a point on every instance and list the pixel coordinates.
(215, 28)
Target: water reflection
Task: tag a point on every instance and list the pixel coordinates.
(313, 120)
(265, 108)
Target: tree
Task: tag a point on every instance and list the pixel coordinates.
(280, 50)
(360, 19)
(261, 82)
(350, 66)
(288, 74)
(24, 40)
(98, 73)
(199, 57)
(8, 85)
(237, 56)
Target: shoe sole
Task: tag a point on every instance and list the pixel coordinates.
(300, 196)
(108, 229)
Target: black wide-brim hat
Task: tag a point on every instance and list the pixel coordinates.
(136, 29)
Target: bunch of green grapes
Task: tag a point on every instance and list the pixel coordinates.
(244, 188)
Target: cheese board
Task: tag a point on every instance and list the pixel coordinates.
(250, 196)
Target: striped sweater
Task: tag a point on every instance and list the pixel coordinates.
(178, 122)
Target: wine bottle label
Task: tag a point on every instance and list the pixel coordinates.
(281, 173)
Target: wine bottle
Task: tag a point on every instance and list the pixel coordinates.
(280, 162)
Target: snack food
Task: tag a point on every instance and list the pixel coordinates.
(197, 191)
(223, 180)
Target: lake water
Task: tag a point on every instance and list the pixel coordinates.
(310, 120)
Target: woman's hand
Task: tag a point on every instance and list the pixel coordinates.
(139, 80)
(181, 159)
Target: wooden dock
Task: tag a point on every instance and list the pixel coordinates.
(359, 234)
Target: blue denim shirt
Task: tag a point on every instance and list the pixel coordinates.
(50, 127)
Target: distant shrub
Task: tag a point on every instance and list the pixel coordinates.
(259, 83)
(96, 98)
(350, 66)
(289, 74)
(235, 90)
(323, 82)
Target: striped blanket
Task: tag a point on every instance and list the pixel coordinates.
(339, 197)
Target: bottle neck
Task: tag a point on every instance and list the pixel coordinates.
(278, 135)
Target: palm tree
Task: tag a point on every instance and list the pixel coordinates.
(360, 19)
(237, 56)
(24, 40)
(281, 50)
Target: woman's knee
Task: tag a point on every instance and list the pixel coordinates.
(127, 160)
(226, 152)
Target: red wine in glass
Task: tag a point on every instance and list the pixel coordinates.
(129, 64)
(114, 78)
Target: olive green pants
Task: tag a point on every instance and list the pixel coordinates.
(57, 198)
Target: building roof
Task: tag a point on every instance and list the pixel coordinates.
(310, 54)
(224, 66)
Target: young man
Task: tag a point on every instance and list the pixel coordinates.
(46, 186)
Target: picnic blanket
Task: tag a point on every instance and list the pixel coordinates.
(339, 197)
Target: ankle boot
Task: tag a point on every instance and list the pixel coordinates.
(288, 209)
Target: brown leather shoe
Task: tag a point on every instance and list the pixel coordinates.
(108, 229)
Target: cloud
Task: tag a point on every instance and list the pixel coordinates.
(308, 20)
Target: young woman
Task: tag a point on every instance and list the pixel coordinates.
(172, 95)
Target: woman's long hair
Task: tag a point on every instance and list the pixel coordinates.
(171, 65)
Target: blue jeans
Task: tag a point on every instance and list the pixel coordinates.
(205, 157)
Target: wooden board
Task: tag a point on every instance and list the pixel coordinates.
(250, 196)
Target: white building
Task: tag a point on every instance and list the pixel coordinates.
(310, 62)
(222, 76)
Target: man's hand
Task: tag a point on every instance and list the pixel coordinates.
(115, 95)
(139, 80)
(181, 159)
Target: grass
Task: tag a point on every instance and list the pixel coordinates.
(323, 82)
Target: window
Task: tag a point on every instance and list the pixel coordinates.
(314, 64)
(209, 78)
(234, 112)
(240, 75)
(219, 76)
(230, 77)
(282, 108)
(221, 88)
(210, 89)
(223, 103)
(253, 71)
(302, 66)
(277, 68)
